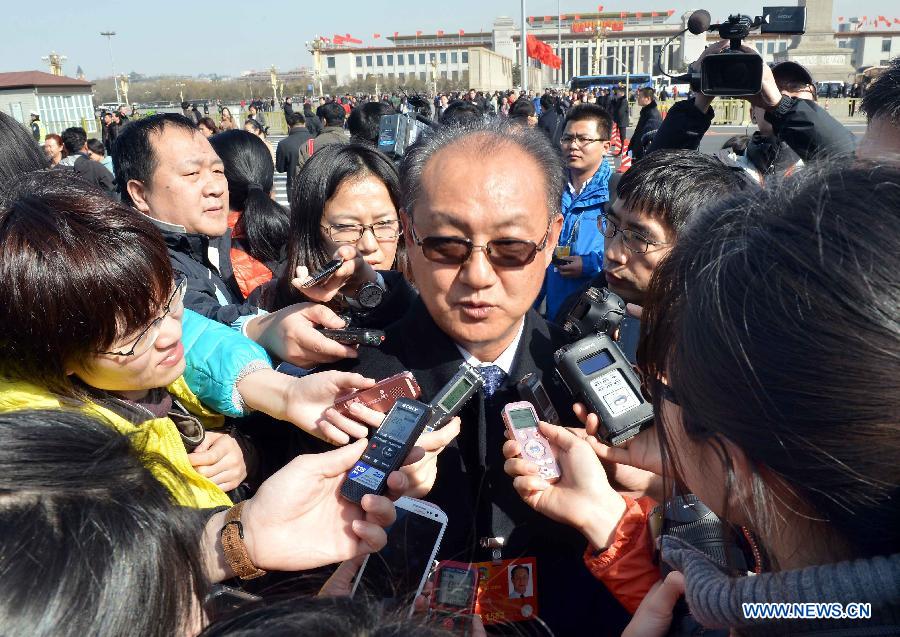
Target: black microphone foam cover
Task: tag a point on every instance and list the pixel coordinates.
(699, 21)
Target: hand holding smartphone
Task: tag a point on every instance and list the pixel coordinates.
(521, 421)
(394, 576)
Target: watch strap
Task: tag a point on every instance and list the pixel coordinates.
(784, 106)
(232, 535)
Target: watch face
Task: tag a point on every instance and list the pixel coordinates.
(370, 295)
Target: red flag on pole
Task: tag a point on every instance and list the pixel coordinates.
(440, 32)
(461, 32)
(577, 17)
(418, 33)
(396, 33)
(376, 35)
(600, 8)
(670, 12)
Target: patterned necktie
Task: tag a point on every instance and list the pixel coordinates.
(493, 377)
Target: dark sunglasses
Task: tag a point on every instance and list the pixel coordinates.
(502, 253)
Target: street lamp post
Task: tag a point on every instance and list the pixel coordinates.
(109, 36)
(622, 65)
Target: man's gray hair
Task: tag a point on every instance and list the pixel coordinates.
(484, 141)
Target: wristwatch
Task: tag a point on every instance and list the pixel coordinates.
(236, 554)
(784, 106)
(367, 297)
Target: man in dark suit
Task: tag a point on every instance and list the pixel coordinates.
(288, 156)
(649, 120)
(481, 218)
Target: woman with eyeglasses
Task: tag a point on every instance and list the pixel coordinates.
(769, 345)
(344, 201)
(94, 321)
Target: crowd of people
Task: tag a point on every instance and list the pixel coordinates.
(167, 419)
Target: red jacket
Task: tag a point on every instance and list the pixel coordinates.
(627, 567)
(249, 272)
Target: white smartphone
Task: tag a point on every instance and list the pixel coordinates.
(395, 575)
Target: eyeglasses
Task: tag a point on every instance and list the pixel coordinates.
(581, 140)
(502, 253)
(148, 337)
(634, 241)
(351, 233)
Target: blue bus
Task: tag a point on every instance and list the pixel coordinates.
(635, 80)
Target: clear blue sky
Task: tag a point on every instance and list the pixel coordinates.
(227, 37)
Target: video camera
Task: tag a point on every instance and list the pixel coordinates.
(734, 73)
(398, 132)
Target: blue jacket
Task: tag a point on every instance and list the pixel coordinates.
(580, 214)
(217, 358)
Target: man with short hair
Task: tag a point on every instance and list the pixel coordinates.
(649, 120)
(792, 127)
(288, 156)
(881, 104)
(584, 143)
(364, 123)
(332, 115)
(169, 171)
(655, 198)
(480, 211)
(619, 111)
(75, 143)
(190, 111)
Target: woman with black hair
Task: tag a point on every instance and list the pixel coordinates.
(19, 153)
(260, 130)
(93, 318)
(770, 347)
(93, 544)
(345, 195)
(259, 224)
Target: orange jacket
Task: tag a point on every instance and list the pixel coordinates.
(249, 272)
(627, 567)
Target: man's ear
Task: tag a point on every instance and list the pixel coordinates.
(553, 238)
(406, 225)
(138, 193)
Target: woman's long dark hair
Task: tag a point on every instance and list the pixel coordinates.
(776, 322)
(250, 175)
(92, 544)
(19, 152)
(313, 186)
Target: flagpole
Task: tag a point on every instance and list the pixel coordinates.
(559, 39)
(524, 62)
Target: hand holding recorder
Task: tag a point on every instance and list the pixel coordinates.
(298, 521)
(581, 498)
(347, 270)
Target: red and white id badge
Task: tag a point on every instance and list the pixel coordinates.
(507, 590)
